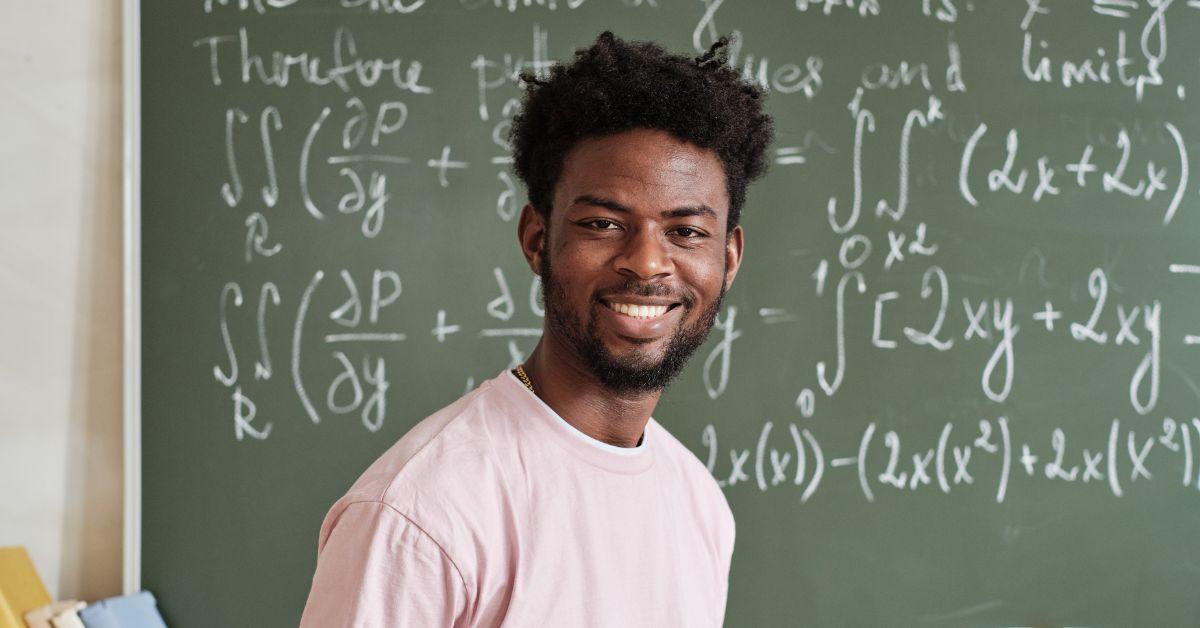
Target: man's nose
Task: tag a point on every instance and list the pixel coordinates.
(645, 255)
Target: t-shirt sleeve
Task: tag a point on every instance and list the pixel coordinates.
(377, 568)
(728, 538)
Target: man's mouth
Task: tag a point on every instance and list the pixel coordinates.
(640, 311)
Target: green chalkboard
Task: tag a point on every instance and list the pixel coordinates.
(956, 382)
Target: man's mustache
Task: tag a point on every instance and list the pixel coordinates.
(642, 289)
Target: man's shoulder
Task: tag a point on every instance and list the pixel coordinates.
(680, 456)
(443, 475)
(442, 450)
(443, 478)
(688, 465)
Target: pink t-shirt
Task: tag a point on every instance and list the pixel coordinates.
(495, 511)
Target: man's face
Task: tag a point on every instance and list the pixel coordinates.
(636, 260)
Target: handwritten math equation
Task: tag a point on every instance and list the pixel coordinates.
(987, 456)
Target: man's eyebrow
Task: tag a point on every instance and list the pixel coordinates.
(588, 199)
(691, 210)
(678, 212)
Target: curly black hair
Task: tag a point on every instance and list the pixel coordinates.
(615, 86)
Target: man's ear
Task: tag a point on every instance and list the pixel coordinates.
(733, 255)
(531, 234)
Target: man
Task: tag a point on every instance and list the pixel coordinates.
(548, 496)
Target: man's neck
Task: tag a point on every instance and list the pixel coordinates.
(574, 393)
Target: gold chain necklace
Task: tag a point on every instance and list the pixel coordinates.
(525, 378)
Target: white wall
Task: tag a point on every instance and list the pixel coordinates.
(60, 291)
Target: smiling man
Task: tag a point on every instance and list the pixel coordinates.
(549, 496)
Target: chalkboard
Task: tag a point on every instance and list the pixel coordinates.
(954, 384)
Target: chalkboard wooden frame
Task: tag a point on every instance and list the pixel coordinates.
(131, 572)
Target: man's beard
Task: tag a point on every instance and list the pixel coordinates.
(631, 374)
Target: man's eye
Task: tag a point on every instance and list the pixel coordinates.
(689, 232)
(601, 224)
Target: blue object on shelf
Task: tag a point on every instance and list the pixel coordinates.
(127, 611)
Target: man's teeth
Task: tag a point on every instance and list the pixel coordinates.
(639, 311)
